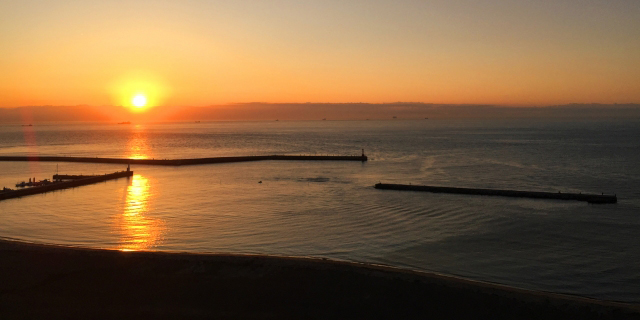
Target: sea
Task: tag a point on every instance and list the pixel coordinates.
(330, 209)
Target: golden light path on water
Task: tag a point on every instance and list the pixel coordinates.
(137, 230)
(137, 145)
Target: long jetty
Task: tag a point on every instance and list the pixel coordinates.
(591, 198)
(63, 185)
(185, 162)
(72, 176)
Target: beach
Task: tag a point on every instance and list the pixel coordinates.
(55, 282)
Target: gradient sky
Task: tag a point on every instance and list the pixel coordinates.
(199, 53)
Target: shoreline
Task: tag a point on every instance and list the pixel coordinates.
(50, 281)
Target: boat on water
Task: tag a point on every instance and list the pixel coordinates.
(126, 122)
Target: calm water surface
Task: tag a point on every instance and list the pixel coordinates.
(330, 209)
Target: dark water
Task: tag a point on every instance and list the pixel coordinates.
(329, 209)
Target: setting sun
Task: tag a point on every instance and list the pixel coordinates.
(139, 101)
(138, 91)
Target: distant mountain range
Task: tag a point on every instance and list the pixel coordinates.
(315, 111)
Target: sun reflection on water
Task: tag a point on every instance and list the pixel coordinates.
(138, 146)
(137, 230)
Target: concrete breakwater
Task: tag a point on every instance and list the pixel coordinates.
(72, 176)
(63, 185)
(591, 198)
(185, 162)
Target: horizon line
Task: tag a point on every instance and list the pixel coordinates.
(343, 103)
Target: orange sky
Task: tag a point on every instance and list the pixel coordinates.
(199, 53)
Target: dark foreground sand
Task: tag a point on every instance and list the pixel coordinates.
(50, 282)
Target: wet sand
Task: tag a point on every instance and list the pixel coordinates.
(55, 282)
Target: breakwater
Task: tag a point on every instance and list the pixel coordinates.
(591, 198)
(63, 185)
(72, 176)
(185, 162)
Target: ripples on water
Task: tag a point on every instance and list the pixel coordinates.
(330, 209)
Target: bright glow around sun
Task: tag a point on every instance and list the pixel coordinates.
(139, 101)
(138, 91)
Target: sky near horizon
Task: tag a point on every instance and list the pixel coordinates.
(200, 53)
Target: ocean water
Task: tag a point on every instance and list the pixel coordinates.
(330, 209)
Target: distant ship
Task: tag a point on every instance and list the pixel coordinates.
(126, 122)
(27, 125)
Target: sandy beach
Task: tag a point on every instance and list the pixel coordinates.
(55, 282)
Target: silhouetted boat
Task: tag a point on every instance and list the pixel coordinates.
(126, 122)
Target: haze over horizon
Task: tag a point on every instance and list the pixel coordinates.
(316, 111)
(201, 53)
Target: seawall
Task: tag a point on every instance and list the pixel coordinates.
(184, 162)
(591, 198)
(63, 185)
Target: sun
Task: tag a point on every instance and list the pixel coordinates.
(139, 101)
